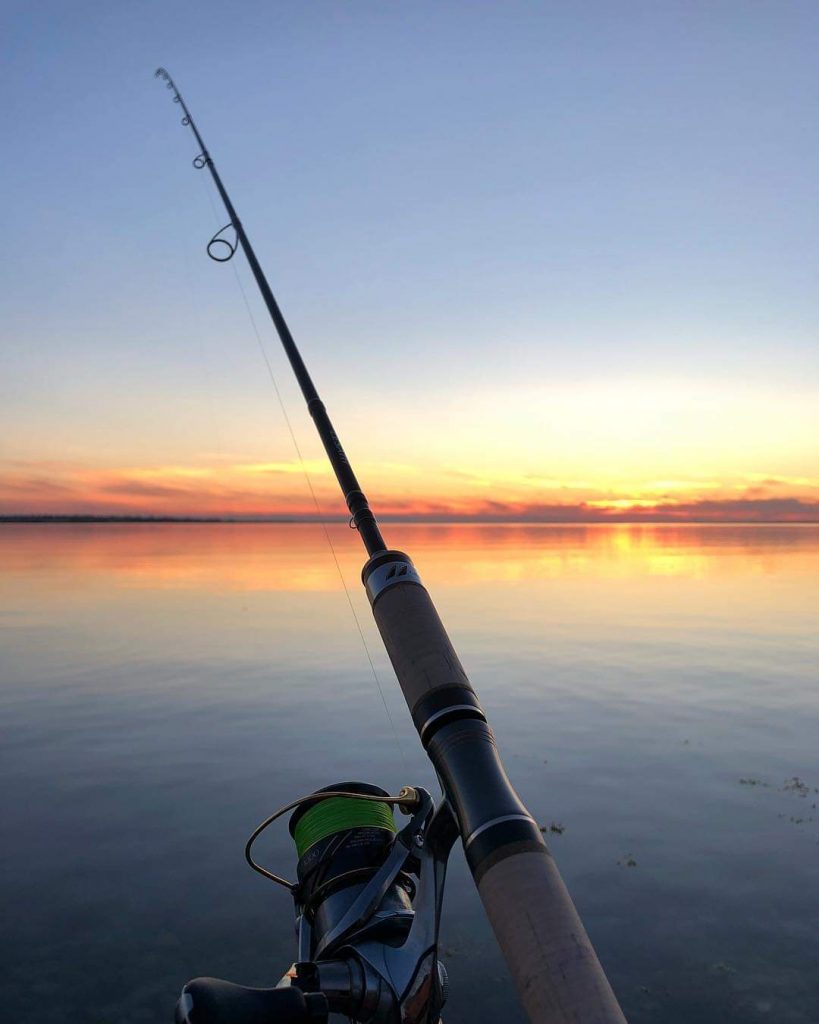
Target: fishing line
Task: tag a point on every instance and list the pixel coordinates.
(310, 487)
(322, 521)
(204, 362)
(332, 819)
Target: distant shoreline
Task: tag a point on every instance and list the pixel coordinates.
(618, 520)
(154, 519)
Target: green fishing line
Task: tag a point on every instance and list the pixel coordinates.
(337, 814)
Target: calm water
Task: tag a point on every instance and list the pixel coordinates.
(165, 687)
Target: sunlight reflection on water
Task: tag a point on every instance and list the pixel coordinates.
(653, 689)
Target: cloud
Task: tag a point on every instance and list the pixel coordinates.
(274, 489)
(315, 467)
(738, 510)
(139, 488)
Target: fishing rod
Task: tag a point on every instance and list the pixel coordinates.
(368, 893)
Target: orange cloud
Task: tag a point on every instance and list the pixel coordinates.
(278, 489)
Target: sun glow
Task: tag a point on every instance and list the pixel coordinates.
(279, 489)
(602, 451)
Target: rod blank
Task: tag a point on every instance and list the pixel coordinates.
(550, 957)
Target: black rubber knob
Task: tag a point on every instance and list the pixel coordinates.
(212, 1001)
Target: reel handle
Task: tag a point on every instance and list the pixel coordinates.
(213, 1001)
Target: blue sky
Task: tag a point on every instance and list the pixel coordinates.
(468, 211)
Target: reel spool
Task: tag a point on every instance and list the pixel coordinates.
(341, 844)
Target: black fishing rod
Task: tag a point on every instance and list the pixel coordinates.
(368, 895)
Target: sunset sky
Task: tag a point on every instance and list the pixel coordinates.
(544, 261)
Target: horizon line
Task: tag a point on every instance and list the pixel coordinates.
(617, 518)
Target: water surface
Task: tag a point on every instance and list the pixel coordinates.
(653, 690)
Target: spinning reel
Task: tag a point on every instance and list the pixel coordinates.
(368, 906)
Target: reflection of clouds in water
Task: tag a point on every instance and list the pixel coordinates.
(296, 557)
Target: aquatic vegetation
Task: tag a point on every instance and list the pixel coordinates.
(553, 826)
(796, 786)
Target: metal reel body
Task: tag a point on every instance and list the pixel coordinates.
(379, 962)
(368, 948)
